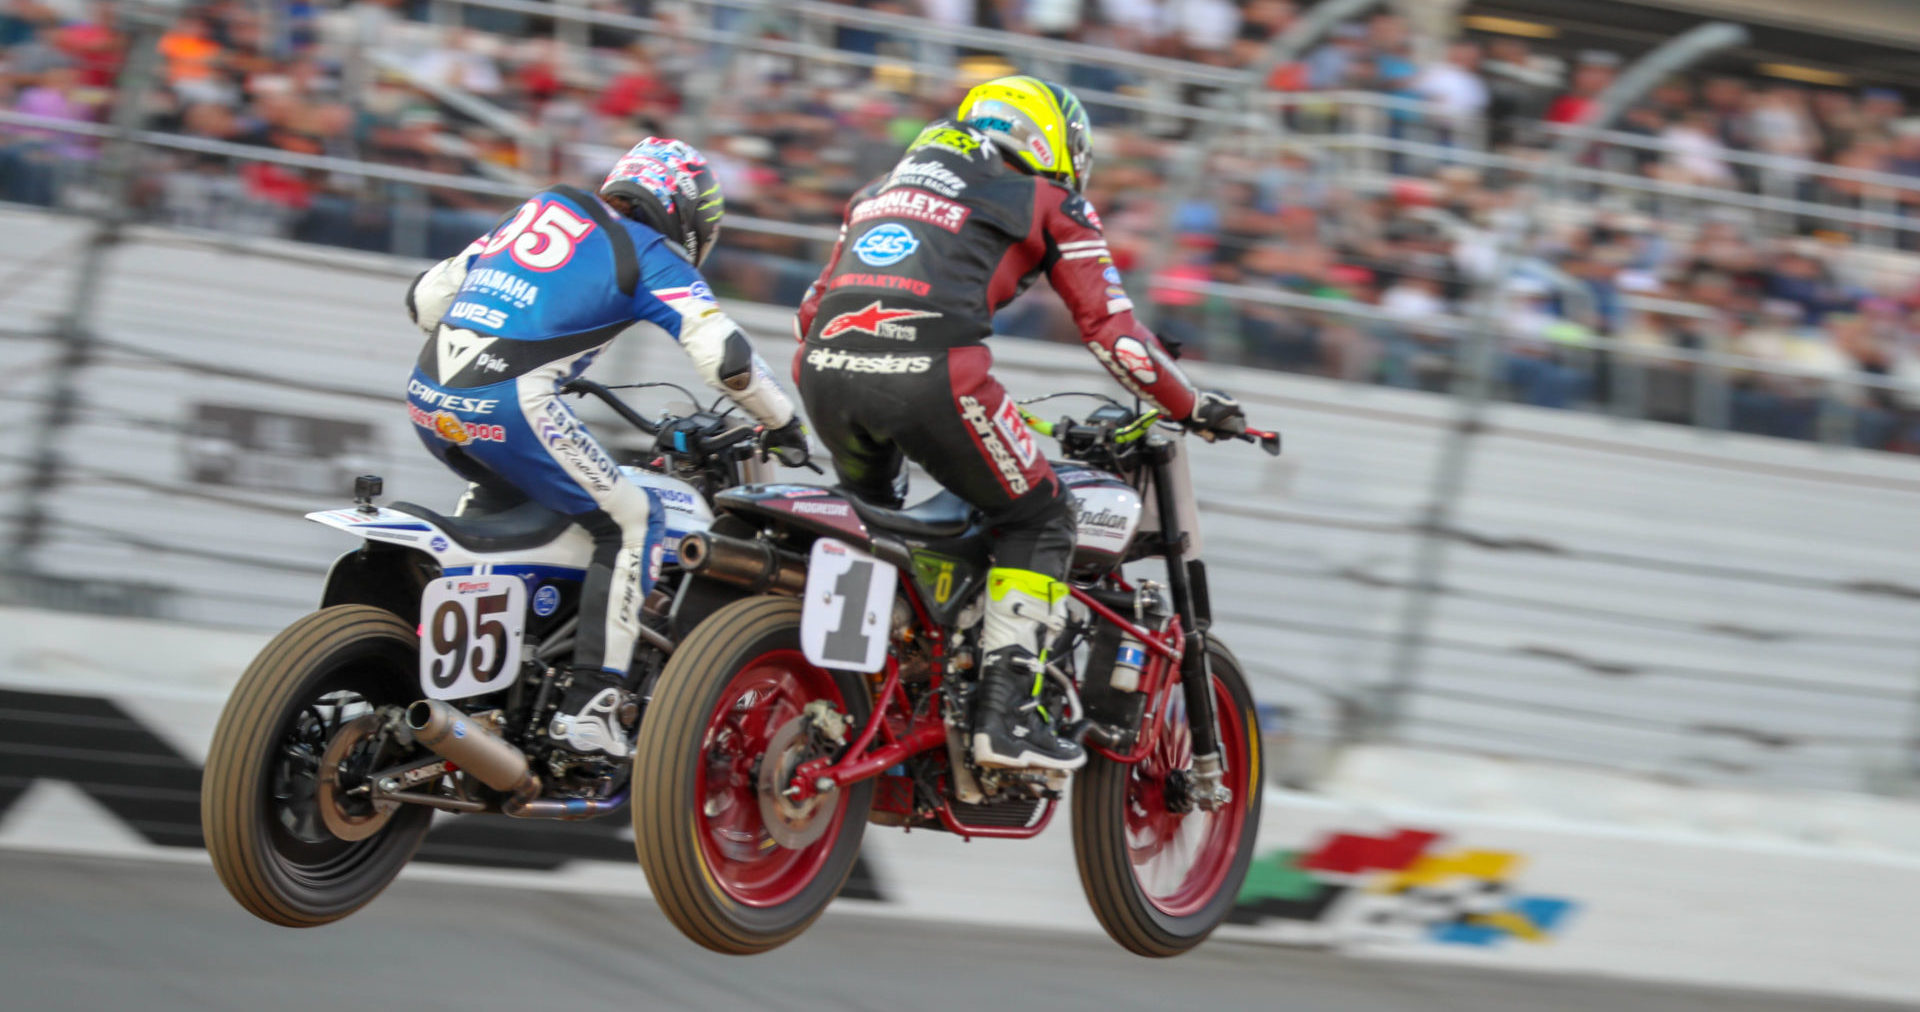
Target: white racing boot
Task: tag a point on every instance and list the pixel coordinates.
(1025, 611)
(592, 728)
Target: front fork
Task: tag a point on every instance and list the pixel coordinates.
(1190, 600)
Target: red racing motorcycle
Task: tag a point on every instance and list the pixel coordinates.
(825, 678)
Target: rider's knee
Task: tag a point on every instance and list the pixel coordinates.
(1035, 531)
(623, 517)
(1046, 508)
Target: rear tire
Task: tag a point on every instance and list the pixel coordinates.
(258, 809)
(1128, 844)
(713, 867)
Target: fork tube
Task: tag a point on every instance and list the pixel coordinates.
(1196, 678)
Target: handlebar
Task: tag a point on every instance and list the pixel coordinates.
(1072, 433)
(691, 435)
(620, 407)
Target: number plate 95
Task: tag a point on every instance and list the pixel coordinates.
(470, 629)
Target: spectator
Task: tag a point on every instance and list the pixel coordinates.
(1519, 87)
(1591, 76)
(1694, 155)
(1454, 85)
(1338, 62)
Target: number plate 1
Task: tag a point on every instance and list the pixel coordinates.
(849, 608)
(470, 630)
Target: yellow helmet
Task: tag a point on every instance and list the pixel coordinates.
(1036, 121)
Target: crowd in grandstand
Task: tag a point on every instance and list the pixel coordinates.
(791, 139)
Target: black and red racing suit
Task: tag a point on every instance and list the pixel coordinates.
(895, 363)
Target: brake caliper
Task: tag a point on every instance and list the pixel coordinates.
(828, 721)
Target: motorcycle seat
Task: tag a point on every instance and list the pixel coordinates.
(944, 515)
(526, 525)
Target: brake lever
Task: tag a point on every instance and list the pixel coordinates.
(1269, 441)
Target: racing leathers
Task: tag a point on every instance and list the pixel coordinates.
(894, 366)
(513, 317)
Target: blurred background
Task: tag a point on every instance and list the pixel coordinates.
(1594, 544)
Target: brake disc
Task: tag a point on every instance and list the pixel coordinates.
(346, 816)
(793, 824)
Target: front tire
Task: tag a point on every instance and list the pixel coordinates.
(260, 799)
(1160, 881)
(713, 864)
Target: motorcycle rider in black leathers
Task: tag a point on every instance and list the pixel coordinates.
(894, 365)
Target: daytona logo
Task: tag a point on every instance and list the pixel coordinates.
(878, 321)
(913, 205)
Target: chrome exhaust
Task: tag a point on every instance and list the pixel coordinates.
(749, 563)
(472, 746)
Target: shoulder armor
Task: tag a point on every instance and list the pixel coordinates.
(1080, 209)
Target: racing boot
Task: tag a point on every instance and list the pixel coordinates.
(588, 721)
(1025, 610)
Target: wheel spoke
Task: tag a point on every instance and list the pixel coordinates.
(747, 862)
(1180, 859)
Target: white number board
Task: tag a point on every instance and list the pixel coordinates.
(470, 631)
(849, 608)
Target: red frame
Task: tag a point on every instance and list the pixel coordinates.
(905, 735)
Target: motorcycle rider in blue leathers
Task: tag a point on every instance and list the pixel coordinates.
(525, 309)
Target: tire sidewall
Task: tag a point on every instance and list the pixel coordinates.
(1179, 934)
(248, 736)
(779, 922)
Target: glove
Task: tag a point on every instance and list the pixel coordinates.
(1216, 414)
(787, 444)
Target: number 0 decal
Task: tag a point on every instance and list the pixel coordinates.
(471, 627)
(849, 608)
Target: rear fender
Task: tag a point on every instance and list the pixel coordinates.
(697, 598)
(700, 596)
(389, 577)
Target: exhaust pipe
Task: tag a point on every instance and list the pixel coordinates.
(473, 747)
(752, 564)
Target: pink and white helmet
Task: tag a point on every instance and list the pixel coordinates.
(673, 191)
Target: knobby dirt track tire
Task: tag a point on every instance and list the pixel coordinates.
(234, 806)
(668, 754)
(1100, 839)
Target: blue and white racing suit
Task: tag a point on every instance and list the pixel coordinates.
(523, 310)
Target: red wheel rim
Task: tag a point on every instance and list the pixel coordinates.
(1181, 860)
(742, 857)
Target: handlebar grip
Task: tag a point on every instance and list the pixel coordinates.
(732, 437)
(1268, 441)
